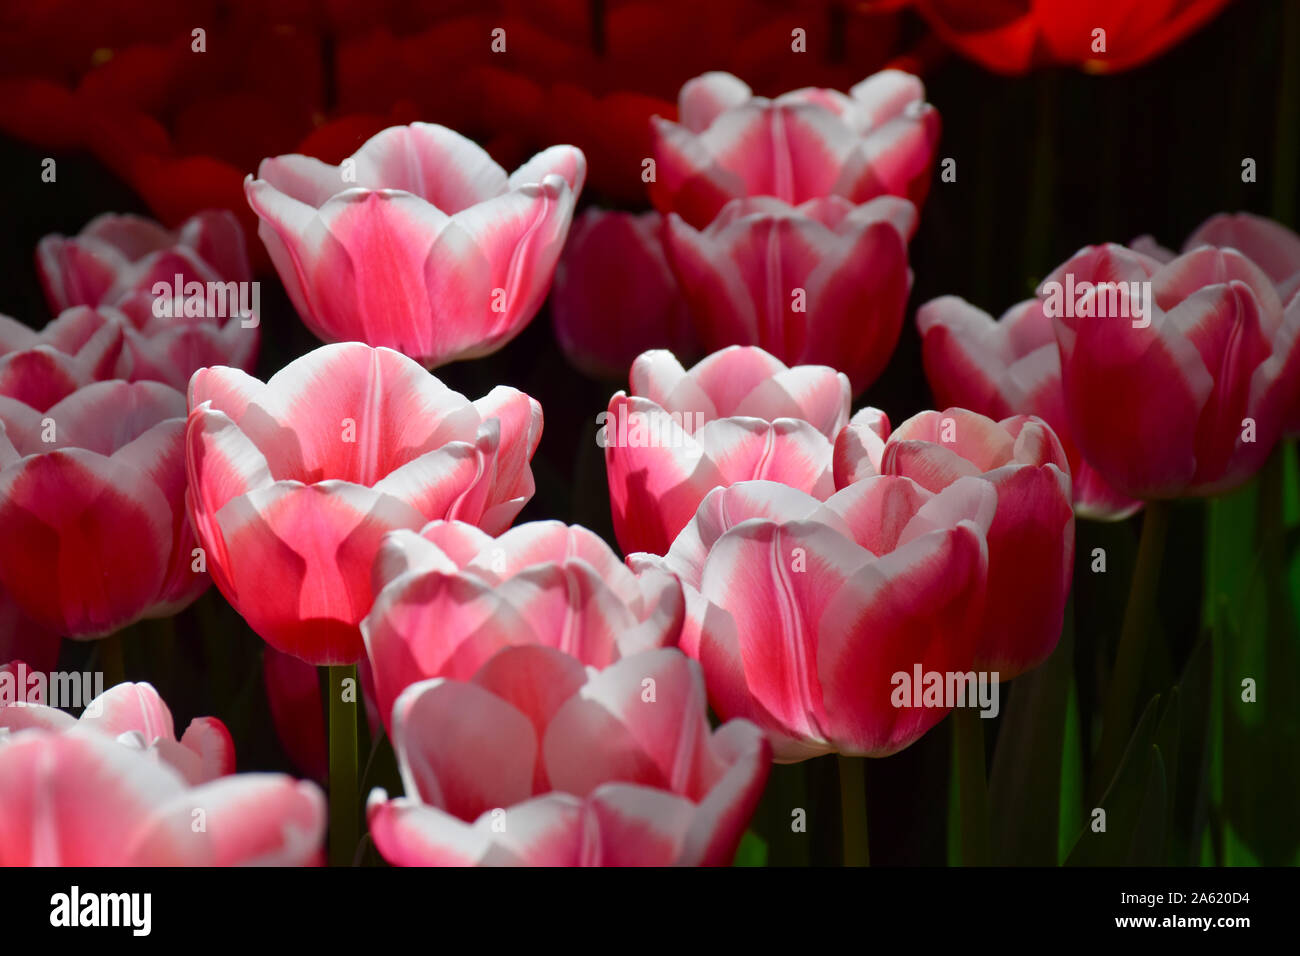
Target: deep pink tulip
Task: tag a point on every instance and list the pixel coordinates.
(823, 283)
(81, 798)
(1031, 540)
(1009, 366)
(802, 613)
(450, 597)
(419, 241)
(1193, 401)
(538, 761)
(1270, 245)
(134, 715)
(614, 265)
(40, 368)
(878, 140)
(94, 488)
(739, 414)
(293, 483)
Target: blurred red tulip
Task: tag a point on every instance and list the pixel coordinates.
(1100, 36)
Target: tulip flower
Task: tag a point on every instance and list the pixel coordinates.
(1031, 539)
(419, 241)
(183, 300)
(740, 414)
(297, 711)
(293, 483)
(81, 798)
(1100, 36)
(1270, 245)
(1009, 366)
(133, 714)
(729, 144)
(94, 487)
(614, 264)
(824, 283)
(1198, 387)
(450, 597)
(538, 761)
(804, 614)
(40, 368)
(118, 257)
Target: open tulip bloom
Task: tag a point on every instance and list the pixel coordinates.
(294, 482)
(419, 241)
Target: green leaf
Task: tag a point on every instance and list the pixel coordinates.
(1125, 800)
(752, 850)
(1028, 763)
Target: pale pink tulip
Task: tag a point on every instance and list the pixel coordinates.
(739, 414)
(419, 241)
(81, 798)
(136, 716)
(877, 140)
(538, 761)
(449, 598)
(293, 483)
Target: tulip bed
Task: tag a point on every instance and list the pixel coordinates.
(650, 436)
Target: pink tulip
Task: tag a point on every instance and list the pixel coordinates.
(120, 265)
(80, 798)
(878, 140)
(1009, 366)
(117, 258)
(1194, 396)
(614, 265)
(739, 414)
(1270, 245)
(293, 483)
(537, 761)
(804, 613)
(41, 368)
(134, 715)
(824, 283)
(450, 597)
(1031, 539)
(94, 487)
(419, 241)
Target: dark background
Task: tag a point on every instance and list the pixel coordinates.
(1046, 163)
